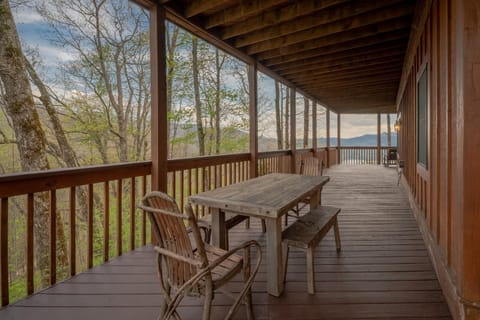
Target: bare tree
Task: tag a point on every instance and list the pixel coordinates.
(198, 103)
(112, 62)
(30, 137)
(278, 116)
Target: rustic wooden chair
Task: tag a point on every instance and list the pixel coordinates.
(192, 267)
(308, 167)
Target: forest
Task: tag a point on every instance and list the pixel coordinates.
(91, 106)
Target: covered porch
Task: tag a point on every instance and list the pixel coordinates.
(384, 270)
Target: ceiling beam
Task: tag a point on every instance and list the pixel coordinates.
(363, 20)
(199, 6)
(239, 12)
(363, 75)
(339, 58)
(344, 15)
(354, 62)
(352, 83)
(295, 10)
(381, 67)
(365, 43)
(351, 35)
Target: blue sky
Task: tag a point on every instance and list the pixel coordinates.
(33, 32)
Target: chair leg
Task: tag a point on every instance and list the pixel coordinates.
(264, 226)
(247, 223)
(207, 303)
(310, 271)
(337, 235)
(248, 295)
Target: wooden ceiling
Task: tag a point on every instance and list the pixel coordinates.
(346, 54)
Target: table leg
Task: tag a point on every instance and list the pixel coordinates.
(315, 199)
(274, 257)
(219, 233)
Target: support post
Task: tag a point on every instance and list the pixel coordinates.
(252, 81)
(314, 128)
(327, 144)
(293, 131)
(379, 138)
(159, 99)
(338, 139)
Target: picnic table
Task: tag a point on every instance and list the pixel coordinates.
(267, 197)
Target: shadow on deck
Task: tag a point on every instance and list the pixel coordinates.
(384, 270)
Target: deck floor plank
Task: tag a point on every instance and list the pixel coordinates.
(383, 271)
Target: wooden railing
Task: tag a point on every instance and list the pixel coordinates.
(274, 161)
(362, 155)
(110, 193)
(193, 175)
(26, 189)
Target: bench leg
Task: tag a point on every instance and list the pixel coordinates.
(310, 271)
(264, 226)
(337, 235)
(285, 250)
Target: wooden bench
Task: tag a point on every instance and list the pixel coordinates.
(306, 233)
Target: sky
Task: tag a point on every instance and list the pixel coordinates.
(33, 32)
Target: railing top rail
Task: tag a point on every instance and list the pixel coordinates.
(39, 181)
(276, 153)
(366, 147)
(199, 162)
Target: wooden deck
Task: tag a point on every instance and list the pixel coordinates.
(383, 272)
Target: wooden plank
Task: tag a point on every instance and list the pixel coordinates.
(53, 237)
(159, 99)
(73, 231)
(106, 221)
(283, 14)
(119, 235)
(352, 35)
(90, 226)
(4, 251)
(351, 14)
(30, 243)
(132, 213)
(239, 12)
(32, 182)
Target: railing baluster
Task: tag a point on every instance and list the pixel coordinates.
(4, 250)
(90, 226)
(144, 217)
(119, 217)
(73, 248)
(106, 221)
(132, 213)
(53, 237)
(182, 193)
(30, 249)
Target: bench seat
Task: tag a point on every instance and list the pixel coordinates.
(306, 233)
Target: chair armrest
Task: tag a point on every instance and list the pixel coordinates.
(245, 245)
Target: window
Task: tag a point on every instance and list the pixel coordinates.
(422, 119)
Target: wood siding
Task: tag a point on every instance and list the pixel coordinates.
(445, 196)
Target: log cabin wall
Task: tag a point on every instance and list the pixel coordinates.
(445, 196)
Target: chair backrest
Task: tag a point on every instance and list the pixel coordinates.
(311, 167)
(168, 225)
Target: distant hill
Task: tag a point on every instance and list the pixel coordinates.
(365, 140)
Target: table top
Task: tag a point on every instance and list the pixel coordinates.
(271, 195)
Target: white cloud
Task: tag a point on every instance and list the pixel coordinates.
(27, 16)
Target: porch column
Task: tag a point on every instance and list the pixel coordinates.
(338, 139)
(327, 145)
(159, 99)
(379, 138)
(252, 85)
(293, 131)
(314, 127)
